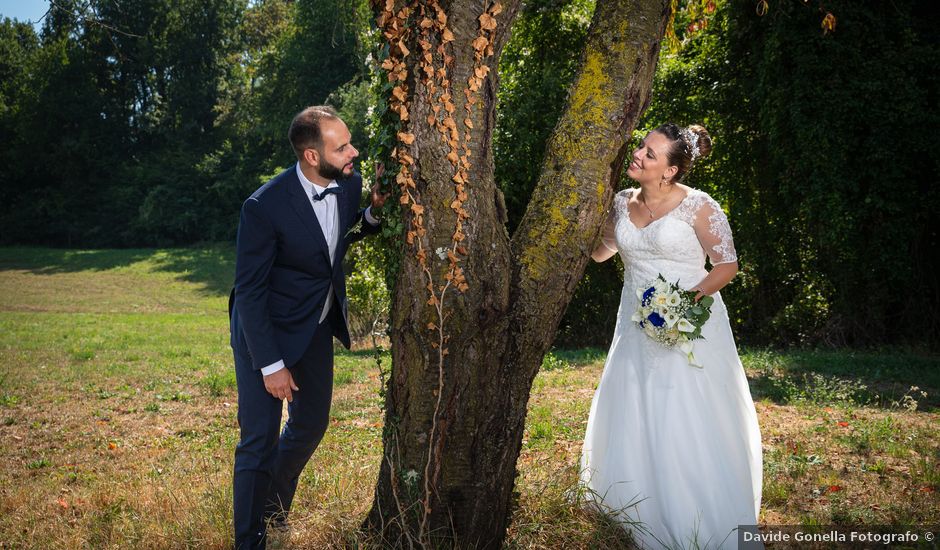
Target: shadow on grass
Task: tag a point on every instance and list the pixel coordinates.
(49, 261)
(879, 378)
(212, 266)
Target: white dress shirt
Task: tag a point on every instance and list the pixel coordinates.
(327, 213)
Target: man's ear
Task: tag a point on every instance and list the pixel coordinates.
(312, 156)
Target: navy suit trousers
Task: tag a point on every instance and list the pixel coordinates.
(268, 464)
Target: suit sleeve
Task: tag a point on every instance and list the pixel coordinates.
(255, 250)
(361, 227)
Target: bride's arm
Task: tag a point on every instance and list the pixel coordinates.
(607, 247)
(717, 278)
(714, 233)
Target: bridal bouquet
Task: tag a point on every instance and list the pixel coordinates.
(670, 315)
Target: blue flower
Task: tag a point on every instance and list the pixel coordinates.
(656, 319)
(648, 295)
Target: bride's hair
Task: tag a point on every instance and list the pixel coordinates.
(688, 145)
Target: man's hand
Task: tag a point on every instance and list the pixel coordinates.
(280, 383)
(378, 198)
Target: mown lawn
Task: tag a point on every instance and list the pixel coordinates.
(117, 420)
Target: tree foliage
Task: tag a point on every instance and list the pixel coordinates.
(147, 122)
(820, 160)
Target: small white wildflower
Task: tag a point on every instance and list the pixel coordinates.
(410, 477)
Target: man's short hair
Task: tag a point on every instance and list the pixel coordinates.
(304, 130)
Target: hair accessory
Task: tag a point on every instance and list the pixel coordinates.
(691, 141)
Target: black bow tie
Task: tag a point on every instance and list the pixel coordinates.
(326, 192)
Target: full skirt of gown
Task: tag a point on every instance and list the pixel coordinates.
(672, 451)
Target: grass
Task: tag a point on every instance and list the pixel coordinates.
(118, 401)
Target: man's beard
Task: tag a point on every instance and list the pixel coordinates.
(329, 171)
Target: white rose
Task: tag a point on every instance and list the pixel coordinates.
(637, 317)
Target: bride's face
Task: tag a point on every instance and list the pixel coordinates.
(651, 160)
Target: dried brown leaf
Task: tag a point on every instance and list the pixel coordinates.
(403, 49)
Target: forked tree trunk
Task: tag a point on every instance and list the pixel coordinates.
(463, 361)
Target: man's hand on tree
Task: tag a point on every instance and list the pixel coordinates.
(378, 198)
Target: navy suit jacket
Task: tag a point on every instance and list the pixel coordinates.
(283, 270)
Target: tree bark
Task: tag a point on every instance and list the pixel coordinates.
(455, 418)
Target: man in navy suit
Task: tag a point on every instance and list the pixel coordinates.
(288, 302)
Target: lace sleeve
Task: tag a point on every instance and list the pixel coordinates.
(608, 236)
(714, 233)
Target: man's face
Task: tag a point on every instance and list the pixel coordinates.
(337, 154)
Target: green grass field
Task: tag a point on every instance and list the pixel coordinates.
(117, 420)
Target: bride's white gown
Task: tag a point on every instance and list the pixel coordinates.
(671, 446)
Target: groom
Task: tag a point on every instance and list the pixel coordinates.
(288, 302)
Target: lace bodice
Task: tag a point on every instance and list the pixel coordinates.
(674, 245)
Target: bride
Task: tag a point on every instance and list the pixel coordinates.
(671, 450)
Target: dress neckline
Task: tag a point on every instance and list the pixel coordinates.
(664, 216)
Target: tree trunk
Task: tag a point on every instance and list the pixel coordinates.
(475, 311)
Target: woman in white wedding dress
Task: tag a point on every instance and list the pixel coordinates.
(671, 450)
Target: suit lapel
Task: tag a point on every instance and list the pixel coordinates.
(300, 202)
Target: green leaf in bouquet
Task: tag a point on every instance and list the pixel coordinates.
(696, 310)
(706, 301)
